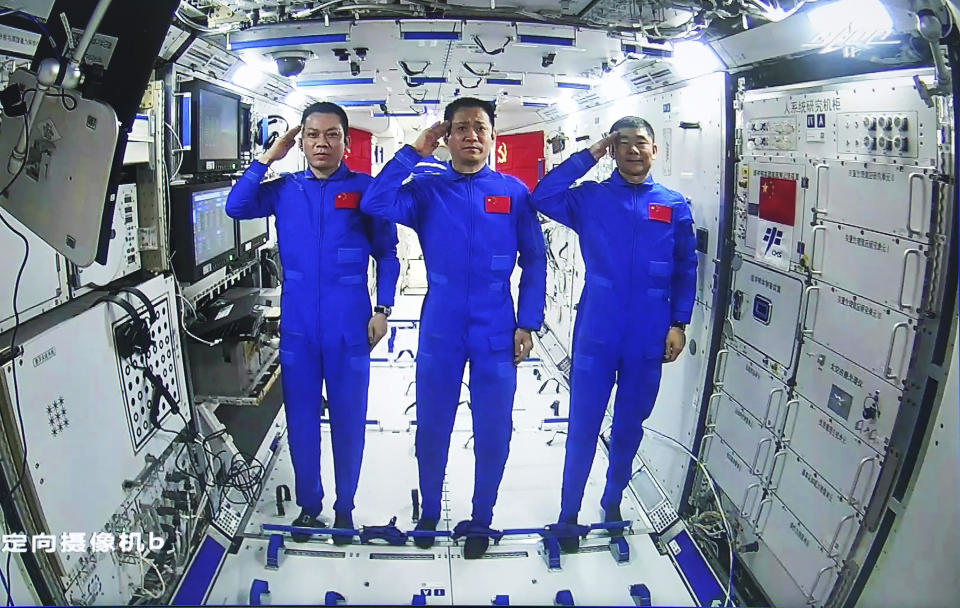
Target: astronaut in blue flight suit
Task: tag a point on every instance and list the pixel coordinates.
(472, 222)
(639, 250)
(327, 329)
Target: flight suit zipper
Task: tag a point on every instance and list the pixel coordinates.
(469, 245)
(320, 223)
(633, 253)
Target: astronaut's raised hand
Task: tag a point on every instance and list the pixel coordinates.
(430, 138)
(675, 342)
(522, 345)
(604, 146)
(281, 146)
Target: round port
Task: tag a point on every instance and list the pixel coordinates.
(870, 123)
(887, 123)
(869, 143)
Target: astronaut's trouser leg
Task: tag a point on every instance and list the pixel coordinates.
(439, 375)
(493, 382)
(638, 381)
(592, 378)
(301, 366)
(348, 376)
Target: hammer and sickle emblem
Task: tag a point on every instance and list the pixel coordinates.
(502, 153)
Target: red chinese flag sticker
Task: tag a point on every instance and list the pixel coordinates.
(778, 199)
(660, 213)
(497, 204)
(347, 200)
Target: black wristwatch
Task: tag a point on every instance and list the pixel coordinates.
(679, 325)
(384, 310)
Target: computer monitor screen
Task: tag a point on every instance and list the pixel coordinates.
(212, 227)
(251, 229)
(203, 236)
(219, 121)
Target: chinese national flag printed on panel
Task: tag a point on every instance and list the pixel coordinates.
(777, 208)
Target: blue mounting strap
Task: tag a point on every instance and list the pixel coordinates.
(640, 595)
(563, 598)
(620, 549)
(468, 528)
(419, 600)
(428, 533)
(389, 533)
(551, 552)
(273, 551)
(611, 525)
(565, 530)
(501, 600)
(332, 598)
(392, 339)
(258, 588)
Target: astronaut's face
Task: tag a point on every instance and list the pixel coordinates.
(634, 152)
(323, 141)
(471, 137)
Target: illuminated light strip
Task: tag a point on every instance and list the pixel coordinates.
(329, 82)
(290, 41)
(430, 35)
(551, 40)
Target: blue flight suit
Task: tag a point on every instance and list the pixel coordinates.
(639, 250)
(325, 243)
(471, 228)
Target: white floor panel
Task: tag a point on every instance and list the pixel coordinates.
(362, 575)
(592, 577)
(529, 497)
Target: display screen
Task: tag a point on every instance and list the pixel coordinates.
(212, 227)
(251, 229)
(218, 117)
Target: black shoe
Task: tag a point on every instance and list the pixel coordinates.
(425, 525)
(305, 521)
(342, 522)
(475, 546)
(613, 514)
(569, 544)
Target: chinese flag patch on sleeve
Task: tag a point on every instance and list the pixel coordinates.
(497, 204)
(660, 213)
(347, 200)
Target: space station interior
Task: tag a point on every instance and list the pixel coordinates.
(802, 449)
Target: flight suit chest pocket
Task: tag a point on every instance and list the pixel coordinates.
(502, 262)
(346, 200)
(349, 255)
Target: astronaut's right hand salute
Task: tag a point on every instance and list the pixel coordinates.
(429, 139)
(281, 146)
(605, 146)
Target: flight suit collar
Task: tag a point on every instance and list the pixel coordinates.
(342, 172)
(616, 178)
(454, 175)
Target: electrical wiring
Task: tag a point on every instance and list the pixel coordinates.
(42, 26)
(179, 149)
(726, 526)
